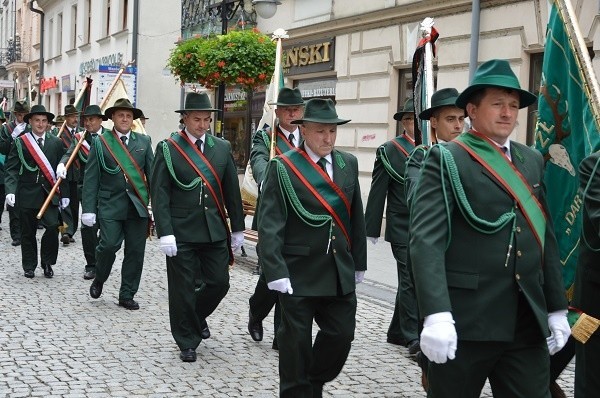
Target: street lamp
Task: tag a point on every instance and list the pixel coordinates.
(226, 9)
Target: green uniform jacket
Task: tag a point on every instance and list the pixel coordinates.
(81, 157)
(6, 140)
(192, 215)
(382, 186)
(108, 195)
(458, 269)
(297, 251)
(31, 187)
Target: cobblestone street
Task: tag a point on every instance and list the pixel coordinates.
(57, 341)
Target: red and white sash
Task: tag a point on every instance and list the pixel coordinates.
(85, 146)
(40, 158)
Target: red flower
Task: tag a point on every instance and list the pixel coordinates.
(188, 55)
(216, 75)
(202, 64)
(221, 64)
(262, 76)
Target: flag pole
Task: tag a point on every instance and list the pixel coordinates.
(426, 26)
(278, 35)
(79, 96)
(582, 56)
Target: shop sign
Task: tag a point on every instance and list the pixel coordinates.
(66, 83)
(315, 89)
(93, 64)
(47, 84)
(310, 57)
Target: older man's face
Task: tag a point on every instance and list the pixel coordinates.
(123, 120)
(285, 115)
(197, 122)
(319, 137)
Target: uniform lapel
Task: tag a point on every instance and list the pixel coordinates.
(209, 150)
(340, 171)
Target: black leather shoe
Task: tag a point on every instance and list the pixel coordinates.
(65, 239)
(96, 289)
(48, 272)
(188, 355)
(205, 331)
(395, 340)
(29, 274)
(275, 346)
(413, 347)
(16, 242)
(255, 328)
(89, 275)
(71, 239)
(130, 304)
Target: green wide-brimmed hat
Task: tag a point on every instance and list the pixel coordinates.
(122, 103)
(144, 116)
(21, 107)
(289, 97)
(319, 110)
(440, 99)
(60, 119)
(38, 110)
(197, 102)
(495, 73)
(94, 110)
(71, 110)
(409, 107)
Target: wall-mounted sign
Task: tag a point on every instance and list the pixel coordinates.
(49, 83)
(314, 56)
(107, 76)
(317, 88)
(7, 84)
(66, 83)
(93, 64)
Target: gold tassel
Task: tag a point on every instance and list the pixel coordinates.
(584, 328)
(63, 228)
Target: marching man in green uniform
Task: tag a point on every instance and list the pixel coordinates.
(8, 133)
(195, 189)
(70, 215)
(312, 217)
(290, 106)
(587, 282)
(30, 175)
(92, 121)
(388, 182)
(115, 190)
(485, 259)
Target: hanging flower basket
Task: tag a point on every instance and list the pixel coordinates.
(241, 57)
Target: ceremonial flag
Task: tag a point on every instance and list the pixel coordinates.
(269, 110)
(566, 132)
(119, 91)
(84, 100)
(422, 72)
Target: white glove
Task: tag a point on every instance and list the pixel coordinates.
(19, 128)
(282, 285)
(359, 276)
(559, 331)
(88, 219)
(237, 240)
(64, 203)
(438, 338)
(168, 245)
(61, 171)
(10, 199)
(372, 239)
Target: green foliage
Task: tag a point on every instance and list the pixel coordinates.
(241, 57)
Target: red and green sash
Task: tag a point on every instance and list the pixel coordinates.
(40, 158)
(196, 159)
(11, 127)
(404, 144)
(130, 168)
(321, 186)
(282, 143)
(489, 155)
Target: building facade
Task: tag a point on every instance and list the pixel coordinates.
(94, 39)
(360, 54)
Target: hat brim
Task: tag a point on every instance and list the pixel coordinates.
(322, 121)
(72, 113)
(286, 104)
(197, 110)
(525, 97)
(427, 113)
(136, 112)
(103, 117)
(49, 115)
(399, 115)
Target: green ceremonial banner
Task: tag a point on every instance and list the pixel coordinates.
(566, 132)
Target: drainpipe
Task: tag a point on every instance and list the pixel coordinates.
(134, 39)
(475, 19)
(41, 67)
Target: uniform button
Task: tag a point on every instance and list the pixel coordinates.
(333, 237)
(205, 208)
(333, 224)
(518, 277)
(519, 253)
(334, 251)
(206, 196)
(518, 229)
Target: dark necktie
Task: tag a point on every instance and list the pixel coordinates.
(124, 139)
(291, 140)
(94, 135)
(323, 164)
(199, 144)
(40, 142)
